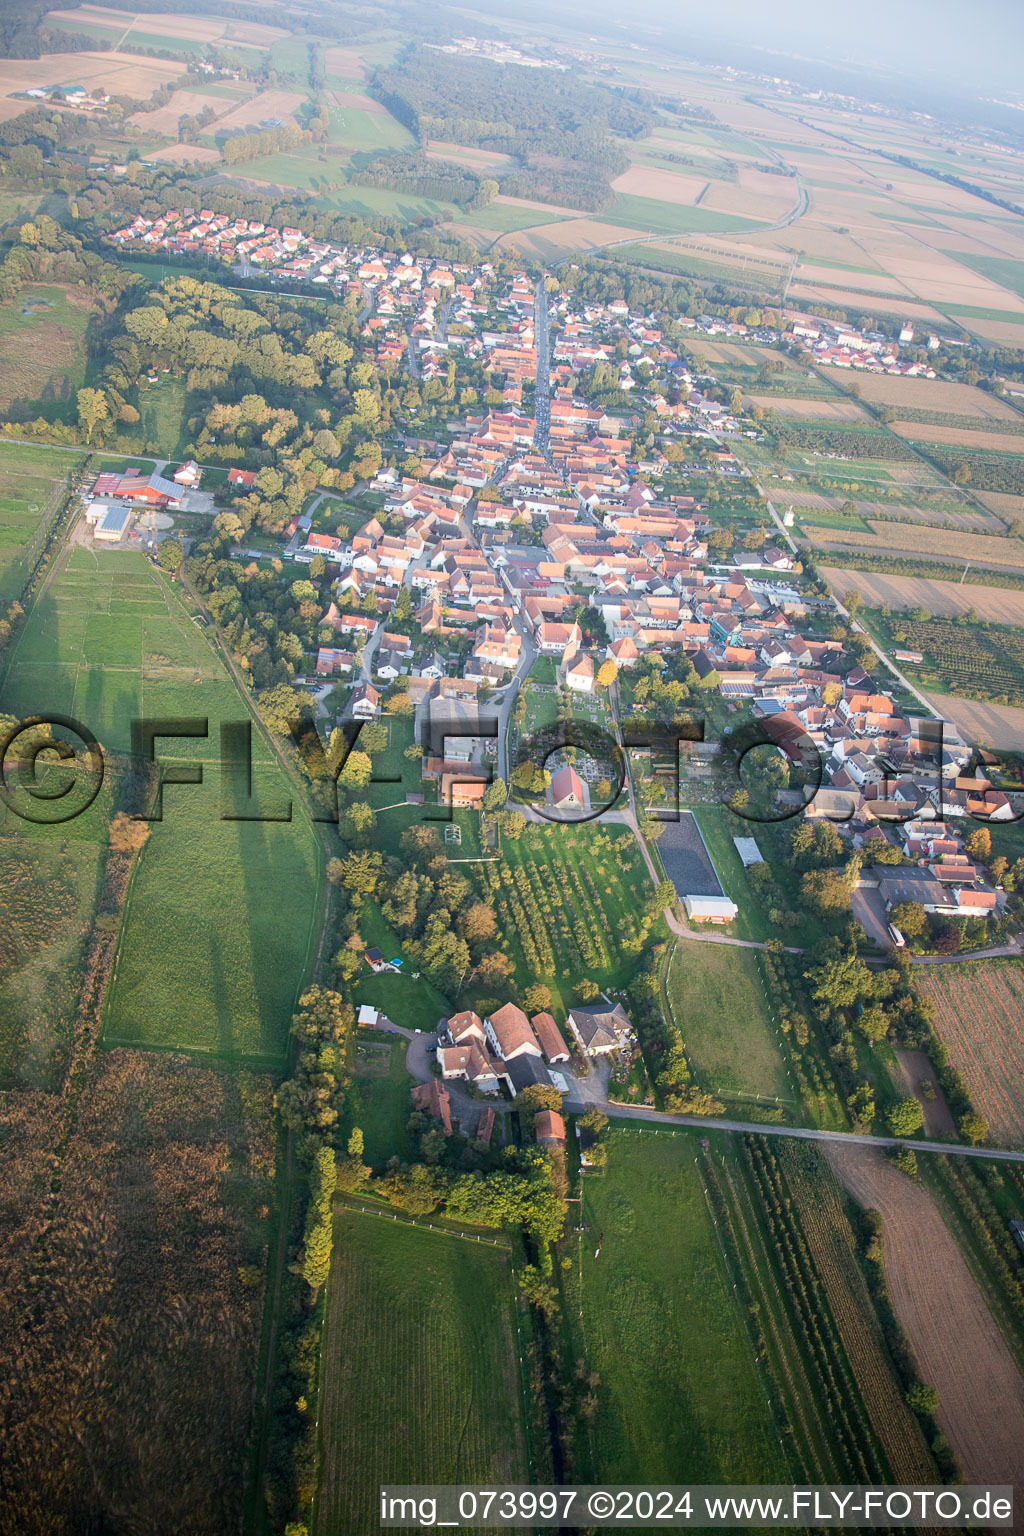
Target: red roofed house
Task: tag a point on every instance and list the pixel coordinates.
(511, 1033)
(550, 1038)
(549, 1128)
(434, 1098)
(244, 477)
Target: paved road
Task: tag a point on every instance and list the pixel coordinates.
(527, 657)
(926, 708)
(542, 388)
(803, 1133)
(591, 1090)
(777, 520)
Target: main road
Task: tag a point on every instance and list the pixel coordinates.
(542, 387)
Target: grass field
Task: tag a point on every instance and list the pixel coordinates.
(504, 219)
(378, 1101)
(32, 481)
(420, 1370)
(717, 998)
(220, 911)
(663, 1328)
(50, 889)
(41, 342)
(661, 218)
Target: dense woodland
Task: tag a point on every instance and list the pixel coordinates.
(560, 130)
(416, 174)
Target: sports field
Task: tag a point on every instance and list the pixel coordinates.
(221, 912)
(420, 1363)
(679, 1386)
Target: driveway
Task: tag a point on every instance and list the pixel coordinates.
(867, 908)
(466, 1110)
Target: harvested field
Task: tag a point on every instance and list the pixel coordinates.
(818, 410)
(944, 599)
(528, 202)
(904, 538)
(960, 1350)
(943, 516)
(574, 234)
(961, 437)
(745, 357)
(774, 196)
(464, 154)
(926, 394)
(1000, 726)
(193, 28)
(250, 114)
(182, 154)
(346, 62)
(255, 34)
(1004, 506)
(119, 73)
(666, 186)
(360, 102)
(165, 119)
(979, 1015)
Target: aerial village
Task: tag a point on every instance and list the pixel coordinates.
(526, 511)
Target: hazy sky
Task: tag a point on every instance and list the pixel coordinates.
(977, 45)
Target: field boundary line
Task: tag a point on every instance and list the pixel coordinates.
(343, 1204)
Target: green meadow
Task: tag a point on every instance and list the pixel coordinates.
(221, 913)
(679, 1394)
(420, 1368)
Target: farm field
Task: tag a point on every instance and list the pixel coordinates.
(942, 598)
(50, 889)
(766, 279)
(41, 342)
(32, 481)
(716, 997)
(905, 538)
(959, 1347)
(791, 1240)
(968, 660)
(664, 1329)
(568, 900)
(979, 1015)
(813, 409)
(656, 217)
(504, 218)
(163, 1192)
(925, 394)
(960, 437)
(989, 725)
(205, 962)
(118, 73)
(420, 1368)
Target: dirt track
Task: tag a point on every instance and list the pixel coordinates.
(959, 1347)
